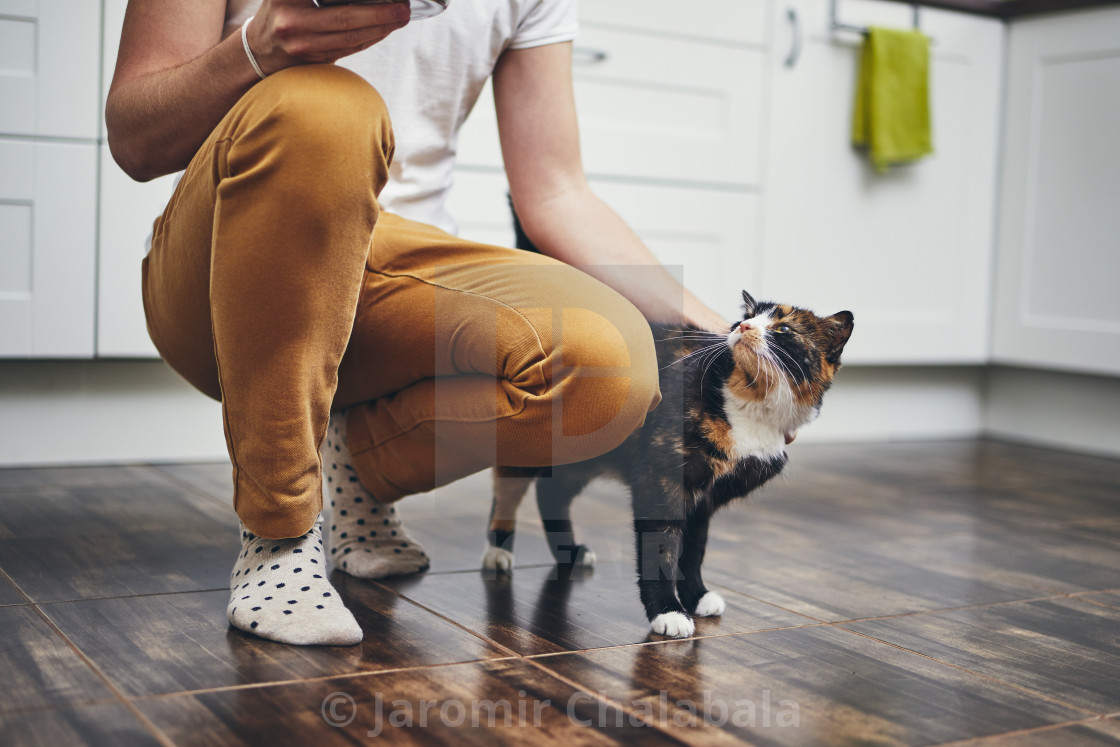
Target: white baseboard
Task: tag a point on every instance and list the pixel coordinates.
(96, 412)
(91, 412)
(1068, 411)
(874, 403)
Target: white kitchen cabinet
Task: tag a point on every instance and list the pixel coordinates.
(705, 237)
(909, 251)
(48, 194)
(1057, 304)
(653, 107)
(48, 68)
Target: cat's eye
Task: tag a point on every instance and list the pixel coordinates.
(783, 328)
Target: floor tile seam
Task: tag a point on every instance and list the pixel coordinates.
(601, 698)
(974, 673)
(508, 651)
(45, 603)
(1021, 732)
(19, 589)
(767, 602)
(317, 678)
(1106, 605)
(636, 644)
(461, 571)
(117, 694)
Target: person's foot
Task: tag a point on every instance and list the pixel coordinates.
(366, 537)
(279, 590)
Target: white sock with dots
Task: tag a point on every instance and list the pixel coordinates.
(279, 590)
(366, 538)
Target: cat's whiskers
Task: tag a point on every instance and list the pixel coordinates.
(693, 354)
(721, 349)
(804, 376)
(784, 403)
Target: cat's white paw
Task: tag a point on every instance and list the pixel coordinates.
(710, 605)
(497, 559)
(673, 624)
(585, 558)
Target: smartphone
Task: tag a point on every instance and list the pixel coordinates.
(420, 8)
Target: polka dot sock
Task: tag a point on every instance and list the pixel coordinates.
(279, 590)
(366, 537)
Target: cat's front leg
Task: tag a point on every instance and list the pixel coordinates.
(694, 595)
(658, 546)
(510, 486)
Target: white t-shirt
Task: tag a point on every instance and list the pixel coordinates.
(430, 74)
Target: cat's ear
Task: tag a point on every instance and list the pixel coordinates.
(839, 327)
(748, 305)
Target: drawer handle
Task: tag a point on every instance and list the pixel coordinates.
(795, 46)
(588, 56)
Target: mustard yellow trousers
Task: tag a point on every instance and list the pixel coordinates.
(277, 285)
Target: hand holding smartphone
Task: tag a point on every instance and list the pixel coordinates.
(420, 8)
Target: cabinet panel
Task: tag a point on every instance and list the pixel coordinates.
(1059, 253)
(128, 210)
(47, 227)
(732, 21)
(909, 252)
(654, 108)
(49, 68)
(705, 236)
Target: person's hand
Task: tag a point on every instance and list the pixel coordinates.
(285, 33)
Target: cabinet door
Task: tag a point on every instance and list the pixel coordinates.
(705, 236)
(653, 107)
(909, 252)
(128, 210)
(1059, 252)
(47, 228)
(48, 67)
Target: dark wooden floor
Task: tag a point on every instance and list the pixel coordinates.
(881, 593)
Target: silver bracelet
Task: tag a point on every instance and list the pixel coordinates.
(249, 52)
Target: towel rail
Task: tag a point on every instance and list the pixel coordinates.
(837, 25)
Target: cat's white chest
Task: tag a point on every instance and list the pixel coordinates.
(754, 432)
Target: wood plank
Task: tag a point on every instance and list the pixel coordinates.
(170, 643)
(140, 537)
(538, 611)
(540, 708)
(39, 668)
(810, 686)
(1065, 648)
(102, 725)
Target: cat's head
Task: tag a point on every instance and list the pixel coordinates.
(785, 358)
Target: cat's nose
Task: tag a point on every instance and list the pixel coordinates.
(744, 326)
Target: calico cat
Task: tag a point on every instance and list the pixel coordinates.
(730, 406)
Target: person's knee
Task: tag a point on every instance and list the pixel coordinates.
(610, 377)
(322, 111)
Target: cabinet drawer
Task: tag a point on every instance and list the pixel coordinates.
(732, 21)
(47, 228)
(653, 108)
(49, 68)
(706, 236)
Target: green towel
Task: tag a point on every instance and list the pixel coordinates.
(891, 113)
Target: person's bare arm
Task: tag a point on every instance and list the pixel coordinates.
(176, 77)
(557, 209)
